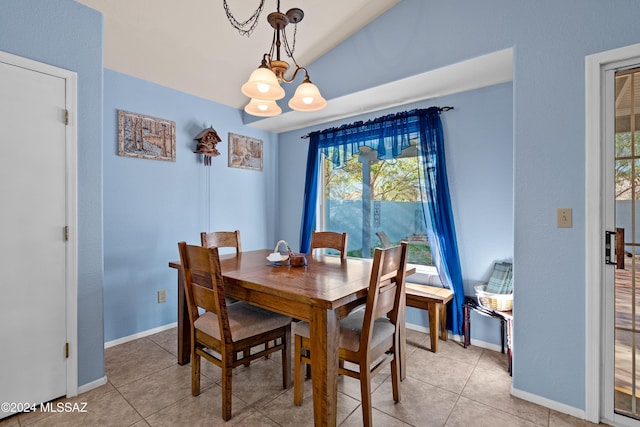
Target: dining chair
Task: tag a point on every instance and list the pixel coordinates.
(221, 239)
(369, 338)
(227, 330)
(330, 240)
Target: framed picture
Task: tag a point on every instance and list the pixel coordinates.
(245, 152)
(146, 137)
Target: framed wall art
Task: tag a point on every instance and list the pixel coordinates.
(245, 152)
(146, 137)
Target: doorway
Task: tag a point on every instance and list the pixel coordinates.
(612, 172)
(38, 309)
(626, 274)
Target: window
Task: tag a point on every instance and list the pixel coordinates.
(374, 200)
(390, 138)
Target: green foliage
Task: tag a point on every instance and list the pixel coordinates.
(391, 180)
(627, 170)
(419, 253)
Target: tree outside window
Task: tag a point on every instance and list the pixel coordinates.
(368, 196)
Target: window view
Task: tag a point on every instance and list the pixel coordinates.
(377, 202)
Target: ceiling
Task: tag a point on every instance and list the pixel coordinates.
(190, 46)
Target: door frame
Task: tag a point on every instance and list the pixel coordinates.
(595, 223)
(71, 248)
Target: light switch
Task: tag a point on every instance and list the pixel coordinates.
(564, 218)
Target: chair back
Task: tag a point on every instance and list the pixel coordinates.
(386, 289)
(330, 240)
(203, 284)
(221, 239)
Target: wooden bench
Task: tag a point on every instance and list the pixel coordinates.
(434, 300)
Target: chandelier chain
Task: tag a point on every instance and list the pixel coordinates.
(240, 26)
(287, 48)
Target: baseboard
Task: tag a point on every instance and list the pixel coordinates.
(93, 384)
(457, 338)
(140, 335)
(548, 403)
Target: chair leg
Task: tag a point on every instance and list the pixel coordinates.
(227, 372)
(246, 353)
(195, 373)
(298, 385)
(308, 369)
(286, 357)
(395, 378)
(365, 391)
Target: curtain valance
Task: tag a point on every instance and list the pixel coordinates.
(387, 135)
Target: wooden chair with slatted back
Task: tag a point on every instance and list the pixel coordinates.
(369, 338)
(330, 240)
(227, 330)
(221, 239)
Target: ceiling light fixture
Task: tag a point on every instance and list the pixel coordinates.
(263, 86)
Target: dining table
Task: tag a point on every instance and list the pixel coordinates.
(321, 293)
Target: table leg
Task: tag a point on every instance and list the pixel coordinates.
(184, 334)
(434, 328)
(325, 332)
(466, 325)
(502, 322)
(509, 345)
(444, 334)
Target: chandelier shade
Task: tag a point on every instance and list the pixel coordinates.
(263, 86)
(262, 108)
(307, 98)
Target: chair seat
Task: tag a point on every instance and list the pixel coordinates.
(351, 330)
(245, 321)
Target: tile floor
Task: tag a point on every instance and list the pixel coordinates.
(454, 387)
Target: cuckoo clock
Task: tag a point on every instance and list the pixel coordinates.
(207, 140)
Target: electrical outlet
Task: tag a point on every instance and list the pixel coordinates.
(564, 218)
(162, 296)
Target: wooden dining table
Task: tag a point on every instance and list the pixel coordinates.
(321, 293)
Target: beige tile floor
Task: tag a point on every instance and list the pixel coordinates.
(454, 387)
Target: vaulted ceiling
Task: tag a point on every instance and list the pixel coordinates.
(189, 45)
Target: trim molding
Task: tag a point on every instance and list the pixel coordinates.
(551, 404)
(457, 338)
(93, 384)
(140, 335)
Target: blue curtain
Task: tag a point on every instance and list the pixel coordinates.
(310, 194)
(389, 136)
(439, 215)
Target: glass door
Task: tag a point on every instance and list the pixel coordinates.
(627, 259)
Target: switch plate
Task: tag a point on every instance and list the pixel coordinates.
(565, 218)
(162, 296)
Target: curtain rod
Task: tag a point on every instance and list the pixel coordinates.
(440, 110)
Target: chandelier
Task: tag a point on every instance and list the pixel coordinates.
(263, 86)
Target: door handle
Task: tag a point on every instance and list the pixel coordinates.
(607, 247)
(619, 249)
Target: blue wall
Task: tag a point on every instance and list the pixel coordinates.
(68, 35)
(151, 205)
(550, 40)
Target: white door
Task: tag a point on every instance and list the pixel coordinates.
(33, 200)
